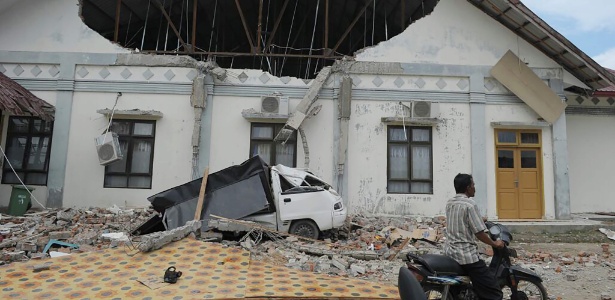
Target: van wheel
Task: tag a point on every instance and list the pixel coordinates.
(305, 228)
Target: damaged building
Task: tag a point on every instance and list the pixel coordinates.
(387, 100)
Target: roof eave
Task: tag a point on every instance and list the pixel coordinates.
(595, 77)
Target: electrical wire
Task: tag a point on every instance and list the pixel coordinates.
(128, 28)
(373, 21)
(292, 22)
(149, 3)
(187, 26)
(159, 27)
(213, 24)
(166, 39)
(119, 94)
(307, 70)
(181, 22)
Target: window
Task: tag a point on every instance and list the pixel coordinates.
(273, 153)
(28, 145)
(410, 162)
(137, 144)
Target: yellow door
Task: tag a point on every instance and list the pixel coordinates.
(518, 176)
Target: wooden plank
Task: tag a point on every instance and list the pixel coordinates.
(199, 205)
(403, 245)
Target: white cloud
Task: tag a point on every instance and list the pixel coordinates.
(588, 15)
(606, 59)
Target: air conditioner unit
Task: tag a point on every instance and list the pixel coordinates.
(108, 148)
(274, 105)
(425, 109)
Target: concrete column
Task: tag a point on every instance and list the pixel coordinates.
(206, 121)
(61, 129)
(560, 159)
(343, 118)
(478, 132)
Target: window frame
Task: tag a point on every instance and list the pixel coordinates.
(131, 138)
(276, 128)
(409, 144)
(10, 134)
(518, 142)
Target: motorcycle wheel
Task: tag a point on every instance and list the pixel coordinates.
(435, 293)
(527, 288)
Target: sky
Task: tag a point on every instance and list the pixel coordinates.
(589, 24)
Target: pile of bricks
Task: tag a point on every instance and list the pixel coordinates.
(23, 238)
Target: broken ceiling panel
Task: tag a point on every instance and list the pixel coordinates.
(284, 37)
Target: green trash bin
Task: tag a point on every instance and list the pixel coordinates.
(20, 200)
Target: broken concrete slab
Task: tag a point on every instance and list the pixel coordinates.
(157, 240)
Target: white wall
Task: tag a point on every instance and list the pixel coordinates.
(367, 155)
(458, 33)
(172, 150)
(49, 26)
(591, 140)
(518, 113)
(230, 137)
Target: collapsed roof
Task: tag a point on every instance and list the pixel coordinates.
(284, 37)
(298, 37)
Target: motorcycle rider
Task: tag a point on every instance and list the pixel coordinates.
(464, 226)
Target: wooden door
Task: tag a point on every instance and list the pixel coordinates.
(519, 176)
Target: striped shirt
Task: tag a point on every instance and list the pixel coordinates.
(463, 221)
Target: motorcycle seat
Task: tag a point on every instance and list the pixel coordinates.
(443, 265)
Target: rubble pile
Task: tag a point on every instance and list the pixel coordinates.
(37, 235)
(371, 248)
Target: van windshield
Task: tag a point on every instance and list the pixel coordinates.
(313, 181)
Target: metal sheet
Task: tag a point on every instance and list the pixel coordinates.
(521, 80)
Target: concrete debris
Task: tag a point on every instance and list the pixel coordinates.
(24, 238)
(156, 240)
(115, 236)
(54, 254)
(41, 267)
(371, 248)
(609, 233)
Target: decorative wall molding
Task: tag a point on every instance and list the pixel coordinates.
(590, 101)
(135, 74)
(32, 71)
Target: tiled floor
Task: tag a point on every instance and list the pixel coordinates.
(209, 271)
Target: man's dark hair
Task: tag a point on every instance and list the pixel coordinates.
(462, 182)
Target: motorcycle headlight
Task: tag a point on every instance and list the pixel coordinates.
(337, 206)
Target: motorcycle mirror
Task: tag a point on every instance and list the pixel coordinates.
(494, 230)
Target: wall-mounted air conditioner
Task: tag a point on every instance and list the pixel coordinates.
(425, 109)
(274, 105)
(108, 148)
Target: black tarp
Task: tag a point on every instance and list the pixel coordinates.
(235, 192)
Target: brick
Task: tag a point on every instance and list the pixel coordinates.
(41, 267)
(60, 235)
(357, 269)
(27, 246)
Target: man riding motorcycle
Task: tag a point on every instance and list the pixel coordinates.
(464, 226)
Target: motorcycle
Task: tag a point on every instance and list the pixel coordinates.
(441, 277)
